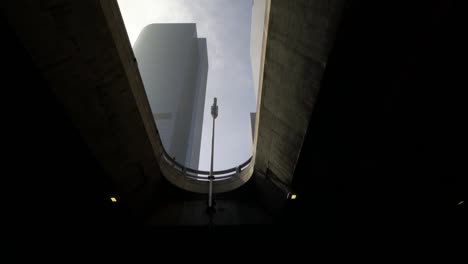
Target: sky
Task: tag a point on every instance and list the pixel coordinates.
(226, 25)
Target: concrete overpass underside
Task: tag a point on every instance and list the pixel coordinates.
(84, 130)
(82, 51)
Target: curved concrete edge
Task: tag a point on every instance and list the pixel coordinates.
(262, 70)
(138, 92)
(177, 178)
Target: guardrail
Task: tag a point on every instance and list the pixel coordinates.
(195, 174)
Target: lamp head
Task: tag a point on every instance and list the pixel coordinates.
(214, 108)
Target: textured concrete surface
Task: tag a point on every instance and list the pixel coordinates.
(85, 56)
(300, 36)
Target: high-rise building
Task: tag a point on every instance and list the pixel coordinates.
(173, 63)
(252, 124)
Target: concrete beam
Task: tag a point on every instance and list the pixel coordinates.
(82, 50)
(299, 38)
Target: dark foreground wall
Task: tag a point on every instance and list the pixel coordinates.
(382, 156)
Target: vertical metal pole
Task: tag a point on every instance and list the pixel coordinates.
(210, 191)
(214, 114)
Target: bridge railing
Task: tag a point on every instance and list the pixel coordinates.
(203, 175)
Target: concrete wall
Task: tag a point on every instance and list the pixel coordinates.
(256, 40)
(300, 36)
(82, 51)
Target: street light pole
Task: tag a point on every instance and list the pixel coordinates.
(214, 114)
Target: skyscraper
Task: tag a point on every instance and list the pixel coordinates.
(173, 63)
(252, 124)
